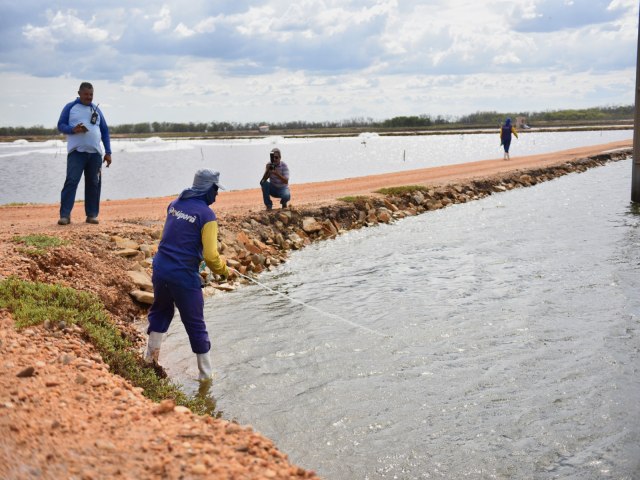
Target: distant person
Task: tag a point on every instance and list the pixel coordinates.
(275, 181)
(190, 234)
(85, 127)
(505, 137)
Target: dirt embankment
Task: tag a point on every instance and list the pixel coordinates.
(69, 417)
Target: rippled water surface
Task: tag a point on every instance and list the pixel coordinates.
(503, 342)
(35, 172)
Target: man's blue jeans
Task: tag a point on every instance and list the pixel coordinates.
(91, 165)
(269, 191)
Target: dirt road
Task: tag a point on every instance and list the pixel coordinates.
(29, 218)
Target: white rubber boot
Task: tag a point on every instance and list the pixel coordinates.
(154, 342)
(204, 366)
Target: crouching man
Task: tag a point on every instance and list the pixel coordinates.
(275, 181)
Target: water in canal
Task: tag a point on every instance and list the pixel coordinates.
(500, 340)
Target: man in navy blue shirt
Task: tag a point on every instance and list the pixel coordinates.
(190, 234)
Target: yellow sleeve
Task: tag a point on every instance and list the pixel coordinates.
(514, 131)
(210, 249)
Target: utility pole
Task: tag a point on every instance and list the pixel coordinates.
(635, 174)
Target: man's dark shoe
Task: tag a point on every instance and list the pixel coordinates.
(64, 221)
(93, 220)
(269, 208)
(284, 204)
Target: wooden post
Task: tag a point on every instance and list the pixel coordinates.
(635, 174)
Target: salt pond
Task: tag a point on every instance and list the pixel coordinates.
(34, 172)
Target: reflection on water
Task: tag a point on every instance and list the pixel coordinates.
(155, 167)
(511, 351)
(204, 395)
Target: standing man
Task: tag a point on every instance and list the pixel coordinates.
(275, 181)
(85, 127)
(505, 137)
(190, 234)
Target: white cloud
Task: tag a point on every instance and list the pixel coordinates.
(164, 21)
(507, 58)
(274, 60)
(183, 31)
(65, 28)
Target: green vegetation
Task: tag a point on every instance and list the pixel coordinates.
(38, 244)
(557, 117)
(587, 116)
(34, 303)
(402, 190)
(353, 199)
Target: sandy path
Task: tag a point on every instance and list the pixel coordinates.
(26, 218)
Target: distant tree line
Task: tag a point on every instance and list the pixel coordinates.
(596, 114)
(589, 115)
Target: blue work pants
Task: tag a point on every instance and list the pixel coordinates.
(91, 165)
(190, 303)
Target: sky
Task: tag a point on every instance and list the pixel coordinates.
(313, 60)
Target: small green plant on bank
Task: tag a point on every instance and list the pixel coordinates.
(38, 244)
(353, 199)
(31, 303)
(402, 190)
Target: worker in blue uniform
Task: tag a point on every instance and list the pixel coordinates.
(190, 234)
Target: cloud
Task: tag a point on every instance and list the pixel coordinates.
(553, 15)
(263, 57)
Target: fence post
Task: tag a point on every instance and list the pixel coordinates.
(635, 174)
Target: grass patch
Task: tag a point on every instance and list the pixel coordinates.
(402, 190)
(38, 244)
(33, 303)
(353, 199)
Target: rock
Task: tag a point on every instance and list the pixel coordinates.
(284, 217)
(258, 259)
(384, 216)
(105, 445)
(127, 253)
(225, 287)
(417, 197)
(243, 239)
(141, 280)
(149, 250)
(27, 372)
(233, 263)
(297, 241)
(125, 243)
(51, 382)
(390, 205)
(142, 296)
(329, 228)
(311, 225)
(99, 382)
(165, 406)
(526, 179)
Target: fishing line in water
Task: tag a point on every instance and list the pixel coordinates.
(311, 307)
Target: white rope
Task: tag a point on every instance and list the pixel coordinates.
(326, 314)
